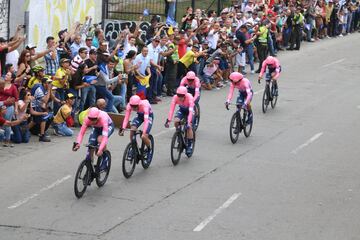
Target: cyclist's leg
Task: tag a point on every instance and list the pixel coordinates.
(145, 136)
(178, 117)
(135, 123)
(93, 140)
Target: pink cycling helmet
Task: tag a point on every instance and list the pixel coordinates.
(181, 90)
(135, 100)
(236, 76)
(191, 75)
(94, 113)
(271, 60)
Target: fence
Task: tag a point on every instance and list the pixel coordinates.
(132, 9)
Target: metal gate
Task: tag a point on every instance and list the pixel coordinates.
(132, 9)
(4, 18)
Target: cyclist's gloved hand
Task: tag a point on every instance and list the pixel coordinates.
(259, 80)
(188, 126)
(121, 131)
(227, 105)
(76, 146)
(244, 106)
(167, 123)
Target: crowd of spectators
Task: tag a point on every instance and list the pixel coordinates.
(79, 68)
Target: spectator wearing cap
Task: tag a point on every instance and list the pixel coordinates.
(88, 44)
(9, 95)
(296, 34)
(24, 68)
(7, 47)
(103, 55)
(39, 73)
(182, 43)
(246, 43)
(62, 116)
(88, 90)
(187, 61)
(41, 119)
(249, 6)
(262, 47)
(34, 55)
(61, 82)
(21, 131)
(79, 59)
(51, 58)
(7, 123)
(156, 76)
(172, 59)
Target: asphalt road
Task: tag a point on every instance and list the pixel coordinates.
(296, 177)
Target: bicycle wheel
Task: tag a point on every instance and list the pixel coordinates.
(82, 178)
(266, 99)
(274, 97)
(176, 148)
(246, 126)
(197, 116)
(129, 161)
(234, 127)
(145, 162)
(103, 166)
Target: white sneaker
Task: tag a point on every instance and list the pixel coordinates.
(252, 71)
(341, 35)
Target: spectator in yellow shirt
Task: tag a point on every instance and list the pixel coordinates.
(61, 129)
(61, 81)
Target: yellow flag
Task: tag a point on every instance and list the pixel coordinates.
(171, 30)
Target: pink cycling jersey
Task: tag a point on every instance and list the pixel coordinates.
(144, 108)
(103, 122)
(194, 84)
(270, 64)
(187, 103)
(244, 86)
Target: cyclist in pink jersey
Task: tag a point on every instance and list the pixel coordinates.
(186, 108)
(193, 85)
(245, 93)
(144, 115)
(103, 127)
(274, 67)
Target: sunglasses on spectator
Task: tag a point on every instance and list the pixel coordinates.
(28, 55)
(180, 95)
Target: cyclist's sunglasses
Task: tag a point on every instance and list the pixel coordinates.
(134, 106)
(93, 119)
(191, 79)
(180, 95)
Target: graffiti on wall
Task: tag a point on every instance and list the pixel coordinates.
(4, 18)
(48, 17)
(112, 28)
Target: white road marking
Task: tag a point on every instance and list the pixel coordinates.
(358, 107)
(260, 91)
(332, 63)
(25, 200)
(164, 131)
(316, 136)
(216, 212)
